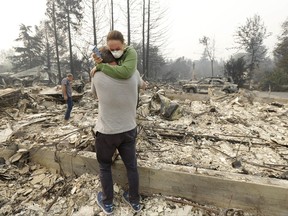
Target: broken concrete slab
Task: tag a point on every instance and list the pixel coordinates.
(268, 198)
(9, 97)
(57, 93)
(75, 195)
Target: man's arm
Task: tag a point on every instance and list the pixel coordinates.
(93, 89)
(92, 72)
(64, 91)
(141, 83)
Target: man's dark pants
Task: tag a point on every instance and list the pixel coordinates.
(106, 144)
(69, 108)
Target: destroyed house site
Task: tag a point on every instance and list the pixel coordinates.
(198, 154)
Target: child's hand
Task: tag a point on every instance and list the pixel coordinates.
(96, 58)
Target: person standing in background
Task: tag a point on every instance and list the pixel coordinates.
(66, 84)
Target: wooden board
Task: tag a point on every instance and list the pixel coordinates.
(269, 198)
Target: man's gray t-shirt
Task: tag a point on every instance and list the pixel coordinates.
(67, 83)
(117, 102)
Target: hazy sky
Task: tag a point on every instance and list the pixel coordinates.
(219, 19)
(190, 20)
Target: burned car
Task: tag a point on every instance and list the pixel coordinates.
(202, 86)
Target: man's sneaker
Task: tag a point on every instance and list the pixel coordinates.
(107, 209)
(135, 206)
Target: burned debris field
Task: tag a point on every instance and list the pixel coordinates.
(149, 108)
(198, 154)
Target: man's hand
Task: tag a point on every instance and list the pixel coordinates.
(93, 71)
(144, 85)
(65, 97)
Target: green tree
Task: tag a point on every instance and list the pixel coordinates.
(70, 16)
(49, 52)
(179, 69)
(5, 62)
(51, 12)
(250, 37)
(281, 50)
(85, 61)
(154, 32)
(235, 68)
(278, 79)
(156, 60)
(47, 31)
(28, 55)
(275, 81)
